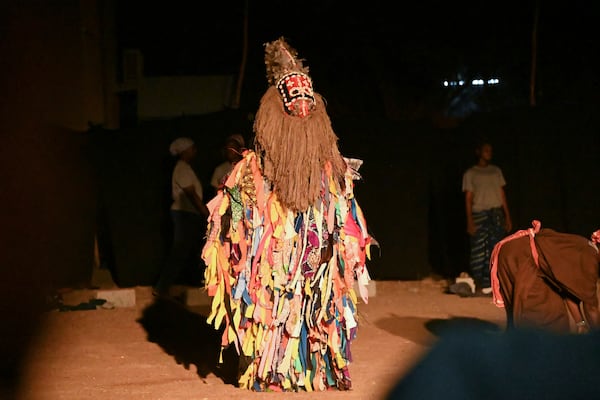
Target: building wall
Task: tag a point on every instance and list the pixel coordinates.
(176, 96)
(54, 51)
(50, 91)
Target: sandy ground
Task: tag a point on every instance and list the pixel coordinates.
(164, 350)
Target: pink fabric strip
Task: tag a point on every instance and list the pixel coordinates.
(596, 237)
(497, 296)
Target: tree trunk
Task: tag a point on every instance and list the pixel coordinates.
(240, 80)
(532, 99)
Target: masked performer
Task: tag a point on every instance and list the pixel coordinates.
(547, 279)
(286, 242)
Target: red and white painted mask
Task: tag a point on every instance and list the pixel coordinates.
(297, 94)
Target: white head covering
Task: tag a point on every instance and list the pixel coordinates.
(180, 145)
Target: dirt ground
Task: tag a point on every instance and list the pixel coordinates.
(165, 350)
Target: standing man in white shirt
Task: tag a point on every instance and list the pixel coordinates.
(188, 213)
(488, 217)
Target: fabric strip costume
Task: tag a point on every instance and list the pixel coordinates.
(286, 242)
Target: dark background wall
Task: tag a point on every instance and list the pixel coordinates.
(410, 191)
(547, 155)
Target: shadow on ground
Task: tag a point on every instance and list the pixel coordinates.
(425, 331)
(440, 327)
(410, 328)
(187, 337)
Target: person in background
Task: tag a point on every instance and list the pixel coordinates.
(188, 214)
(232, 152)
(488, 216)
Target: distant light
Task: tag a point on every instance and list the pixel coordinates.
(474, 82)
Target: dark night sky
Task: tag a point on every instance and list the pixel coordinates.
(418, 44)
(209, 39)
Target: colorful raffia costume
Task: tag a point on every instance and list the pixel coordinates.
(286, 241)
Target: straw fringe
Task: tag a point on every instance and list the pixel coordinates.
(296, 150)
